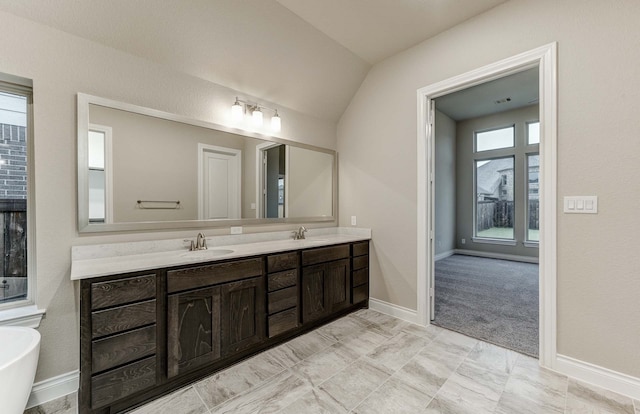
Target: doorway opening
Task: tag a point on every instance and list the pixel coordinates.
(272, 161)
(486, 211)
(503, 231)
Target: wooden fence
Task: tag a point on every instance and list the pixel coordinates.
(500, 214)
(13, 245)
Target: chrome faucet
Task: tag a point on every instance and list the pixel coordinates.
(199, 244)
(299, 234)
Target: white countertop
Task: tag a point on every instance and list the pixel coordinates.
(109, 259)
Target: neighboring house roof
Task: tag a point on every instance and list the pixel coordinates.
(488, 174)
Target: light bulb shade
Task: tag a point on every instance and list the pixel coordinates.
(276, 123)
(257, 117)
(236, 112)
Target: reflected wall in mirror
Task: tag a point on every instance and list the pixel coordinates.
(140, 168)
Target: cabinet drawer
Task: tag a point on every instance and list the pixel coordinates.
(325, 254)
(122, 348)
(360, 277)
(283, 322)
(285, 261)
(119, 292)
(282, 280)
(361, 248)
(201, 276)
(122, 382)
(122, 318)
(282, 299)
(360, 293)
(360, 262)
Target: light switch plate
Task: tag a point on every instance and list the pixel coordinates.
(236, 230)
(581, 204)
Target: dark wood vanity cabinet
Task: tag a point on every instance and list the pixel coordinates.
(360, 272)
(119, 338)
(326, 281)
(193, 329)
(283, 293)
(144, 334)
(206, 324)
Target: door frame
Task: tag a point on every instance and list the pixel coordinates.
(202, 148)
(545, 57)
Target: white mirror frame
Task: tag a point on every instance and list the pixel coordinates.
(84, 226)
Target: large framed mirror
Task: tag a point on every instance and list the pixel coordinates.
(144, 169)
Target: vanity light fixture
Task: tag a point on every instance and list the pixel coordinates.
(240, 107)
(236, 111)
(256, 116)
(276, 123)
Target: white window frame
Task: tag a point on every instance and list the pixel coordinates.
(25, 312)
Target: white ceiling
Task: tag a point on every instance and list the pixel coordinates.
(307, 55)
(377, 29)
(504, 94)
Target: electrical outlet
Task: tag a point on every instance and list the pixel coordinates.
(253, 206)
(463, 241)
(236, 230)
(353, 220)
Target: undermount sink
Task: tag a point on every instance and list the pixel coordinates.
(206, 253)
(312, 241)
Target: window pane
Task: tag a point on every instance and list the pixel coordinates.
(494, 198)
(533, 133)
(533, 197)
(96, 149)
(13, 196)
(97, 196)
(13, 109)
(495, 139)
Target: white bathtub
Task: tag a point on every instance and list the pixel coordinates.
(19, 350)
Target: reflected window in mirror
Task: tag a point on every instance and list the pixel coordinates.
(99, 150)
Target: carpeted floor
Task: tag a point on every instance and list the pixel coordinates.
(489, 299)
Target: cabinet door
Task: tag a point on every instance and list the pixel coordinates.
(244, 314)
(193, 329)
(338, 284)
(314, 299)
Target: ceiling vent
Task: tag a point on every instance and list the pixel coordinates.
(503, 100)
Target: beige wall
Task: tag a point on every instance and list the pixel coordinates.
(598, 146)
(62, 65)
(465, 175)
(310, 179)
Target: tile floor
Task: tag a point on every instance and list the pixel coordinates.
(368, 362)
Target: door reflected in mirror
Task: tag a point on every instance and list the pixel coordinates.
(140, 168)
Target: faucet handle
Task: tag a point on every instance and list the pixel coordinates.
(192, 246)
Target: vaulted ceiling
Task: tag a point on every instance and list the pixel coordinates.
(307, 55)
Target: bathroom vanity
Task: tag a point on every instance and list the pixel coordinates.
(175, 317)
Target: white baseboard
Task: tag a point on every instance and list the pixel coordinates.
(54, 388)
(396, 311)
(515, 258)
(602, 377)
(444, 255)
